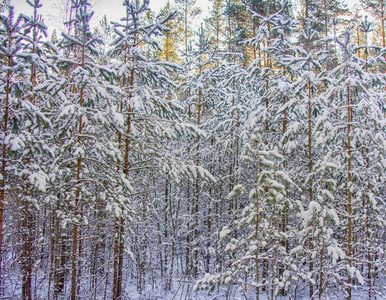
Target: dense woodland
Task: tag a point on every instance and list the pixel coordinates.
(146, 159)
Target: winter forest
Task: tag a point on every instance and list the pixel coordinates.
(144, 158)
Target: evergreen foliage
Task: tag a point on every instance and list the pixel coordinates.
(147, 159)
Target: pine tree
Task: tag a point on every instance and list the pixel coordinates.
(4, 5)
(257, 225)
(188, 12)
(378, 9)
(84, 104)
(214, 24)
(355, 97)
(130, 169)
(169, 51)
(127, 44)
(25, 115)
(34, 167)
(9, 45)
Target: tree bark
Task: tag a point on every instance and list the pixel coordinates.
(77, 197)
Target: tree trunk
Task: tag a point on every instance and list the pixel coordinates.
(27, 253)
(257, 237)
(310, 244)
(349, 193)
(77, 197)
(4, 160)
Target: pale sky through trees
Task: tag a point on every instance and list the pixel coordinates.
(113, 9)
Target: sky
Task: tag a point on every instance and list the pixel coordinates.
(113, 9)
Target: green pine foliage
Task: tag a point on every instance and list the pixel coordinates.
(250, 164)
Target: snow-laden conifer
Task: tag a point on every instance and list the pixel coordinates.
(149, 139)
(259, 236)
(24, 128)
(352, 133)
(84, 158)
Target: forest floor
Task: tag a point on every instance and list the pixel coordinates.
(184, 291)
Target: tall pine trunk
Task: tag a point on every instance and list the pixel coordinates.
(77, 197)
(4, 159)
(349, 193)
(196, 202)
(310, 263)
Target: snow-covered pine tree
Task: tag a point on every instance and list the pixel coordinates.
(37, 153)
(377, 8)
(353, 129)
(187, 13)
(4, 5)
(25, 140)
(307, 67)
(257, 226)
(170, 37)
(215, 23)
(10, 67)
(251, 90)
(131, 71)
(23, 126)
(279, 113)
(268, 83)
(84, 157)
(262, 8)
(228, 111)
(197, 88)
(102, 155)
(150, 110)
